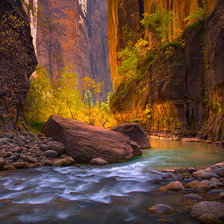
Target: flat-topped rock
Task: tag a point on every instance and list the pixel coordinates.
(191, 140)
(85, 142)
(135, 133)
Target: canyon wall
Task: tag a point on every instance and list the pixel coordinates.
(17, 61)
(77, 36)
(179, 92)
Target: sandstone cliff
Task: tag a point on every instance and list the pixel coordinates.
(79, 38)
(17, 61)
(181, 92)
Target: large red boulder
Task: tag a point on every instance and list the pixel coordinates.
(84, 142)
(135, 133)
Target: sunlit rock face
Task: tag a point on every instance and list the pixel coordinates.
(127, 14)
(79, 38)
(17, 61)
(183, 92)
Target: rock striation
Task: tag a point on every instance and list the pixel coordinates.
(182, 92)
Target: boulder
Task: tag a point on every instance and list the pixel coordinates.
(98, 161)
(219, 172)
(85, 142)
(221, 195)
(206, 207)
(3, 153)
(161, 209)
(135, 133)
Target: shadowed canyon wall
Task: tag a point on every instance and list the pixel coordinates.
(183, 92)
(17, 61)
(78, 37)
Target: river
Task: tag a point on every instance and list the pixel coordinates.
(117, 193)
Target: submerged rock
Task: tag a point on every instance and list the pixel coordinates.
(135, 133)
(191, 140)
(193, 197)
(161, 209)
(209, 218)
(205, 207)
(85, 142)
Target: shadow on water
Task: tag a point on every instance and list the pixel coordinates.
(117, 193)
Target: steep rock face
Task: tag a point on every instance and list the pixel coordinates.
(125, 17)
(78, 38)
(184, 91)
(17, 61)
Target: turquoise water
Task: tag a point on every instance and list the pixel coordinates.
(117, 193)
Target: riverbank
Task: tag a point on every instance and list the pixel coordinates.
(29, 151)
(184, 137)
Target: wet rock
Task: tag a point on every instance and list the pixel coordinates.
(215, 183)
(209, 218)
(84, 142)
(219, 172)
(173, 186)
(193, 197)
(48, 162)
(50, 154)
(64, 162)
(209, 175)
(205, 207)
(98, 161)
(28, 159)
(161, 209)
(200, 186)
(9, 167)
(20, 165)
(215, 191)
(135, 133)
(191, 140)
(41, 136)
(2, 163)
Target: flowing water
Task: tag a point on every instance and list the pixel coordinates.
(118, 193)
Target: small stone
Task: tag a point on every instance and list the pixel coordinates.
(161, 209)
(219, 172)
(57, 147)
(10, 167)
(209, 218)
(215, 183)
(20, 165)
(196, 185)
(193, 197)
(3, 153)
(209, 175)
(48, 163)
(28, 159)
(51, 154)
(2, 163)
(221, 195)
(8, 135)
(98, 161)
(44, 147)
(64, 162)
